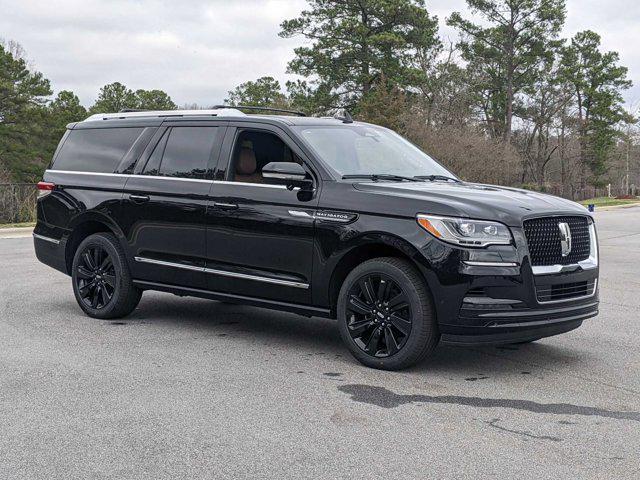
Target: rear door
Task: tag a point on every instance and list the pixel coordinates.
(165, 202)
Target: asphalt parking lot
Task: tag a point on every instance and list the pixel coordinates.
(188, 388)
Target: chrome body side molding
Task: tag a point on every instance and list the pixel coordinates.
(225, 273)
(46, 239)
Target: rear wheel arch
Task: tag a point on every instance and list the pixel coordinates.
(101, 278)
(82, 229)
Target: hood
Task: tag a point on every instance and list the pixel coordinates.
(483, 202)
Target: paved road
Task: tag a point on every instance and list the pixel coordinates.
(187, 388)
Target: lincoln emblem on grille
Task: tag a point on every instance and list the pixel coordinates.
(565, 238)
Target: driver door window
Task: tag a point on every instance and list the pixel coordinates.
(253, 150)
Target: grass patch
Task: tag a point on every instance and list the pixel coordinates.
(608, 202)
(18, 225)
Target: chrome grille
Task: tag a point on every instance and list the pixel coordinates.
(543, 238)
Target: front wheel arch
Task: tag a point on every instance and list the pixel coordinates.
(364, 317)
(372, 246)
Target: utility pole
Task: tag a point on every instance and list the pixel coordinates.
(630, 121)
(626, 186)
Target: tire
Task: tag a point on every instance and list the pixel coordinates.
(101, 279)
(391, 283)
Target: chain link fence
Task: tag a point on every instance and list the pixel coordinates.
(18, 202)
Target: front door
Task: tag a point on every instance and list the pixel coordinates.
(165, 204)
(260, 235)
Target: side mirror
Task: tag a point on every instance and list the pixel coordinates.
(287, 173)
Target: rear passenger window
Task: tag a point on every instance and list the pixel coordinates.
(95, 150)
(186, 153)
(153, 164)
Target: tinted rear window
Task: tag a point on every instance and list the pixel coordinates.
(95, 150)
(187, 152)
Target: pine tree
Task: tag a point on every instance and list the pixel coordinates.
(597, 81)
(506, 53)
(355, 42)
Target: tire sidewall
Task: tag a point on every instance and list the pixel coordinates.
(422, 318)
(104, 242)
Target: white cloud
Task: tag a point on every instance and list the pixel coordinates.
(197, 51)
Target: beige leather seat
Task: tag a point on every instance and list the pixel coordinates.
(246, 165)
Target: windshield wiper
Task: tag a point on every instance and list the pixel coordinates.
(436, 177)
(381, 176)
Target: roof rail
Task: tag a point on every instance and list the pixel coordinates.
(262, 109)
(214, 112)
(128, 110)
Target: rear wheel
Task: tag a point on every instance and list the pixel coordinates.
(385, 314)
(101, 280)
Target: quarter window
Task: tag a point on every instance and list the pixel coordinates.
(98, 150)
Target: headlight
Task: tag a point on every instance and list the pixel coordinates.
(465, 232)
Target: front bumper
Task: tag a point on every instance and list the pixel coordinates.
(495, 296)
(519, 308)
(520, 326)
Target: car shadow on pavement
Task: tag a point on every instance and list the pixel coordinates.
(480, 363)
(320, 336)
(233, 320)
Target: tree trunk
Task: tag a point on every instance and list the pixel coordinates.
(540, 160)
(366, 74)
(562, 142)
(510, 73)
(509, 111)
(582, 133)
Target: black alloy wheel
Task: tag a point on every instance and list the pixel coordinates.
(385, 314)
(379, 315)
(101, 279)
(95, 277)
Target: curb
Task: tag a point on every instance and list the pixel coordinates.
(616, 207)
(21, 232)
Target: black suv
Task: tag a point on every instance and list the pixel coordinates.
(319, 216)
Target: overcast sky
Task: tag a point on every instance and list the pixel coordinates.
(197, 50)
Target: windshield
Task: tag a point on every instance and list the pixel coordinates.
(369, 150)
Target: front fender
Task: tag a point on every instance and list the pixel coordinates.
(339, 244)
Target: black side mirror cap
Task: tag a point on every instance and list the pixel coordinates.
(287, 173)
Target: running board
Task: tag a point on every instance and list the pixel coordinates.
(232, 298)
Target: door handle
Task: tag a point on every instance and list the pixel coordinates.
(139, 198)
(225, 206)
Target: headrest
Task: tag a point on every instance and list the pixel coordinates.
(246, 160)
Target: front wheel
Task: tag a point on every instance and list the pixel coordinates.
(385, 315)
(101, 280)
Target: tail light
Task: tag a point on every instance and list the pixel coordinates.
(45, 188)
